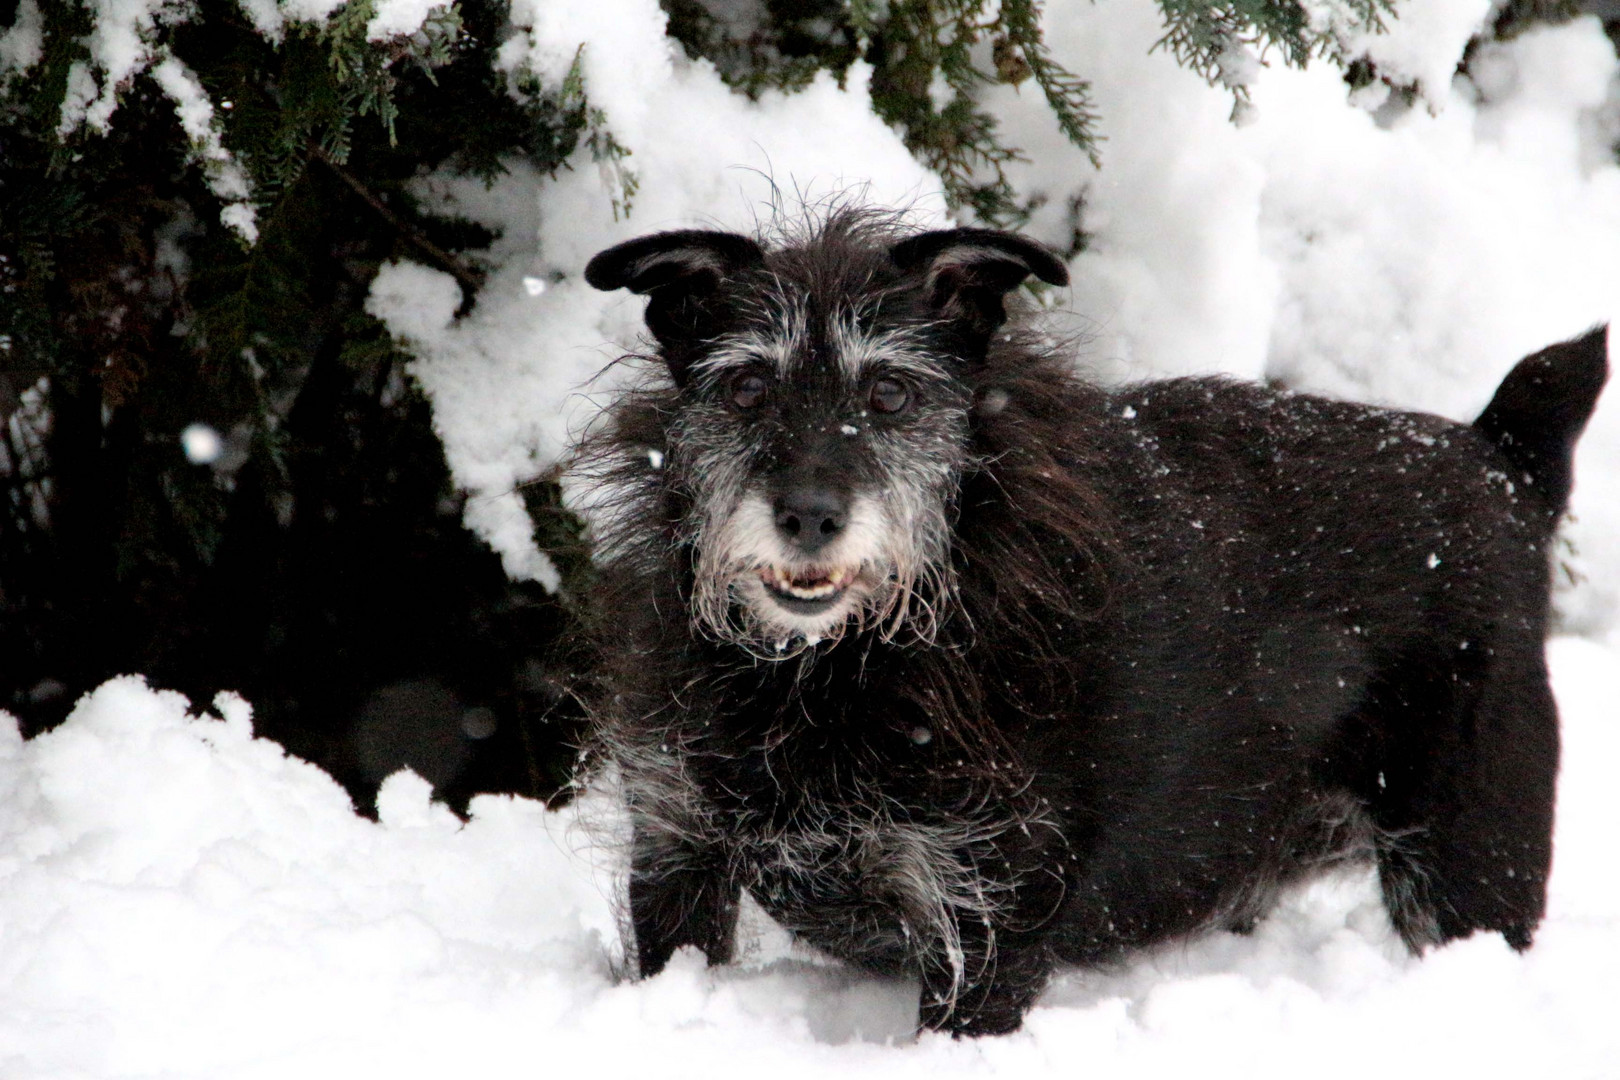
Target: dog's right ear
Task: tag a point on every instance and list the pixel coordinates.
(679, 273)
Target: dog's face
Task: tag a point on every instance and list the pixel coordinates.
(822, 445)
(822, 417)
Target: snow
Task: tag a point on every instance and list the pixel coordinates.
(417, 302)
(266, 17)
(76, 98)
(1238, 65)
(1421, 46)
(224, 175)
(180, 899)
(201, 444)
(401, 18)
(23, 42)
(308, 10)
(120, 48)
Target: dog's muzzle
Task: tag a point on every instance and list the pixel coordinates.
(805, 561)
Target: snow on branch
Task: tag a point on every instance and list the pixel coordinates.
(224, 175)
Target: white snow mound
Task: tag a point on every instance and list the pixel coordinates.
(180, 899)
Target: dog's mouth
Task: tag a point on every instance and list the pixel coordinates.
(806, 592)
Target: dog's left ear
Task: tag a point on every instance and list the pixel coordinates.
(680, 273)
(969, 272)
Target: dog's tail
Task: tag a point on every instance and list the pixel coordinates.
(1541, 408)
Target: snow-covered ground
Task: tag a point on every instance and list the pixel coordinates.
(179, 899)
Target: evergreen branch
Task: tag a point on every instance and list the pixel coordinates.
(471, 281)
(1068, 95)
(1199, 34)
(608, 153)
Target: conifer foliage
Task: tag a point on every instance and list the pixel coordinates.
(215, 471)
(931, 59)
(214, 467)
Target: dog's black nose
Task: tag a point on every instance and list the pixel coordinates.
(811, 517)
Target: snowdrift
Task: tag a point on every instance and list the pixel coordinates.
(180, 899)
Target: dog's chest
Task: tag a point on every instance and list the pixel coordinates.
(793, 831)
(865, 867)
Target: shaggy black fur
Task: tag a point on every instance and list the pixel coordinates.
(1181, 642)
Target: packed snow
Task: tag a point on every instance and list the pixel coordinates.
(180, 899)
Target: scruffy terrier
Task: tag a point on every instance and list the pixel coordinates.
(966, 668)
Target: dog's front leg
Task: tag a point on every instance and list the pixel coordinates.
(986, 980)
(680, 894)
(999, 979)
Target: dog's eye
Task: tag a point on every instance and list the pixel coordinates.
(890, 395)
(749, 390)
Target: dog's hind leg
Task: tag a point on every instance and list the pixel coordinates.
(1464, 802)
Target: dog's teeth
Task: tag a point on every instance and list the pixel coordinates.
(805, 586)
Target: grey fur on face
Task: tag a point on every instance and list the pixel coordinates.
(819, 355)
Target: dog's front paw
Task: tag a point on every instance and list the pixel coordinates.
(989, 1019)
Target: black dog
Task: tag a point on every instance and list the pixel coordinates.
(966, 668)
